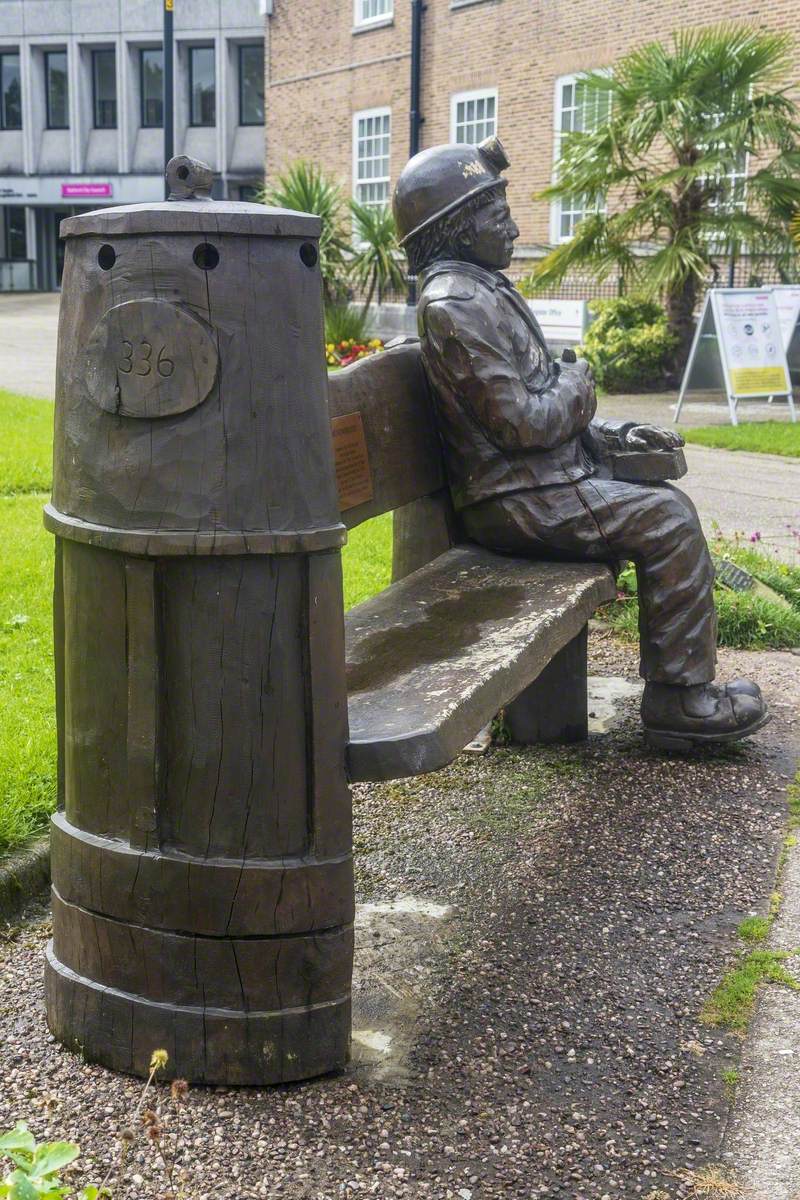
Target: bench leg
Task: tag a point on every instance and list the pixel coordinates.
(554, 708)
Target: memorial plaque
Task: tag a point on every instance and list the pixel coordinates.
(150, 358)
(353, 476)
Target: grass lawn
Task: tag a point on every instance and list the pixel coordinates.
(26, 441)
(27, 720)
(762, 437)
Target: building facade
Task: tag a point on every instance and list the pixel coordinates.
(82, 112)
(487, 66)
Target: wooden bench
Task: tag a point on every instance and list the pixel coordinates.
(463, 632)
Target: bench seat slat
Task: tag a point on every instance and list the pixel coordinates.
(432, 658)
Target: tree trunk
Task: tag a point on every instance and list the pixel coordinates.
(680, 318)
(368, 301)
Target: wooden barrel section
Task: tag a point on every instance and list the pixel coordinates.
(201, 853)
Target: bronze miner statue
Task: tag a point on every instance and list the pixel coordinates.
(529, 463)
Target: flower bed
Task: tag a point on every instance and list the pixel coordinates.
(341, 354)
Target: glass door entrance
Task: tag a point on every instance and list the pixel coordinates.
(50, 248)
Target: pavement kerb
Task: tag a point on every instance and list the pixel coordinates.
(24, 874)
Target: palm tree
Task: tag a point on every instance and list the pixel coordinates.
(305, 187)
(683, 119)
(376, 261)
(796, 228)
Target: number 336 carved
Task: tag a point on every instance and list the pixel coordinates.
(137, 360)
(150, 359)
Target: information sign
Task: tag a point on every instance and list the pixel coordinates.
(561, 320)
(787, 302)
(738, 348)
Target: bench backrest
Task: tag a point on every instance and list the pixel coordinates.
(390, 392)
(398, 464)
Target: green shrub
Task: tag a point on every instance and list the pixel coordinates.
(344, 323)
(305, 187)
(628, 344)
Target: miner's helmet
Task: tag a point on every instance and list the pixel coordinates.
(441, 179)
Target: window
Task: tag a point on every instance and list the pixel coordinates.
(731, 196)
(251, 85)
(730, 185)
(56, 89)
(104, 88)
(202, 86)
(370, 12)
(371, 141)
(250, 193)
(16, 238)
(151, 83)
(473, 116)
(577, 110)
(10, 92)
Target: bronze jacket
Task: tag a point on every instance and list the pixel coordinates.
(510, 417)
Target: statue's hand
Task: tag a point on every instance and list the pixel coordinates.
(651, 437)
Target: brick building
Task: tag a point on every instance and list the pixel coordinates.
(339, 73)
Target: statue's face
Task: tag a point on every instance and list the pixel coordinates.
(492, 234)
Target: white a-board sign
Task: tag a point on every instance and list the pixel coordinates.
(738, 349)
(787, 299)
(787, 302)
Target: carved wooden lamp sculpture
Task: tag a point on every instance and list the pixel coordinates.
(201, 854)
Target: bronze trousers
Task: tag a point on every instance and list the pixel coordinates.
(607, 520)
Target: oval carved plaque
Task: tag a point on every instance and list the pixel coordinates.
(150, 358)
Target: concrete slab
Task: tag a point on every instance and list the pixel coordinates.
(397, 943)
(609, 700)
(763, 1141)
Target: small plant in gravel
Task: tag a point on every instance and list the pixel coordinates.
(793, 799)
(36, 1168)
(732, 1001)
(754, 929)
(730, 1077)
(710, 1183)
(153, 1121)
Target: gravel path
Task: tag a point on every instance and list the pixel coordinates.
(595, 892)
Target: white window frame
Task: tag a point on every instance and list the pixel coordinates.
(730, 178)
(569, 205)
(364, 114)
(362, 22)
(463, 98)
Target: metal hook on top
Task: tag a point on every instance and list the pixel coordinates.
(188, 178)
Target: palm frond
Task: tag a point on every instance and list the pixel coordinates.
(685, 115)
(377, 259)
(595, 248)
(304, 187)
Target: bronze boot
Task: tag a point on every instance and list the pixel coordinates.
(677, 718)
